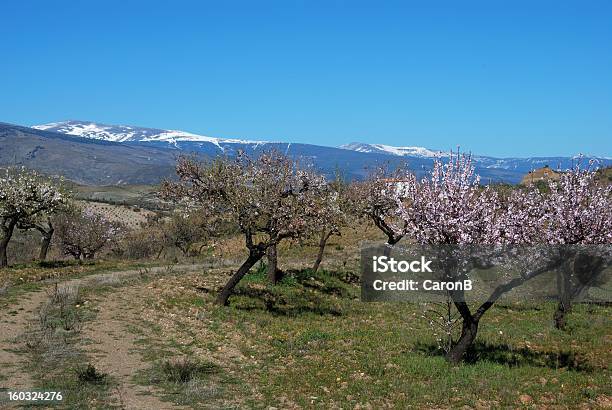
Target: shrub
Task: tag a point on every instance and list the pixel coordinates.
(185, 369)
(90, 375)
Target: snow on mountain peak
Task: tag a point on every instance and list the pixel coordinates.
(388, 149)
(126, 133)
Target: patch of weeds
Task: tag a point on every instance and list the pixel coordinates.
(284, 300)
(517, 357)
(55, 264)
(308, 341)
(186, 301)
(299, 292)
(14, 292)
(185, 369)
(196, 390)
(90, 375)
(185, 380)
(323, 281)
(61, 312)
(257, 274)
(589, 393)
(314, 336)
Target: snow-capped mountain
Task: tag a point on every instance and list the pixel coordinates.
(356, 160)
(127, 133)
(388, 149)
(481, 161)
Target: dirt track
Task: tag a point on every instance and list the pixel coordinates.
(109, 345)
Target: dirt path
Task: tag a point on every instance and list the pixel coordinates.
(113, 351)
(111, 348)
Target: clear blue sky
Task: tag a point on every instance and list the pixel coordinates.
(497, 77)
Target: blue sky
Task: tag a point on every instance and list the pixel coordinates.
(497, 77)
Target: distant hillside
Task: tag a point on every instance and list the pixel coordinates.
(97, 154)
(85, 161)
(541, 174)
(353, 159)
(99, 161)
(143, 196)
(605, 175)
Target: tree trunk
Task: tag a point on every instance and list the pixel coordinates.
(45, 243)
(274, 274)
(565, 301)
(3, 245)
(7, 233)
(391, 241)
(468, 335)
(322, 242)
(560, 315)
(223, 297)
(159, 253)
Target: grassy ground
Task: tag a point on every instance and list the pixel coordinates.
(310, 342)
(19, 279)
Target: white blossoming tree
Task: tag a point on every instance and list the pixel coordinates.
(578, 218)
(25, 198)
(269, 198)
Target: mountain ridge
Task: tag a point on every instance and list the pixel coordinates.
(93, 153)
(131, 133)
(82, 160)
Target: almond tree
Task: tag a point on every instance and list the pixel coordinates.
(24, 197)
(331, 208)
(82, 233)
(379, 198)
(269, 199)
(451, 209)
(184, 230)
(578, 219)
(45, 226)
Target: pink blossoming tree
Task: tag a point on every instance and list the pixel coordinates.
(450, 208)
(578, 218)
(269, 199)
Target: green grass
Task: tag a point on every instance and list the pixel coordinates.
(181, 379)
(310, 342)
(26, 278)
(19, 274)
(313, 343)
